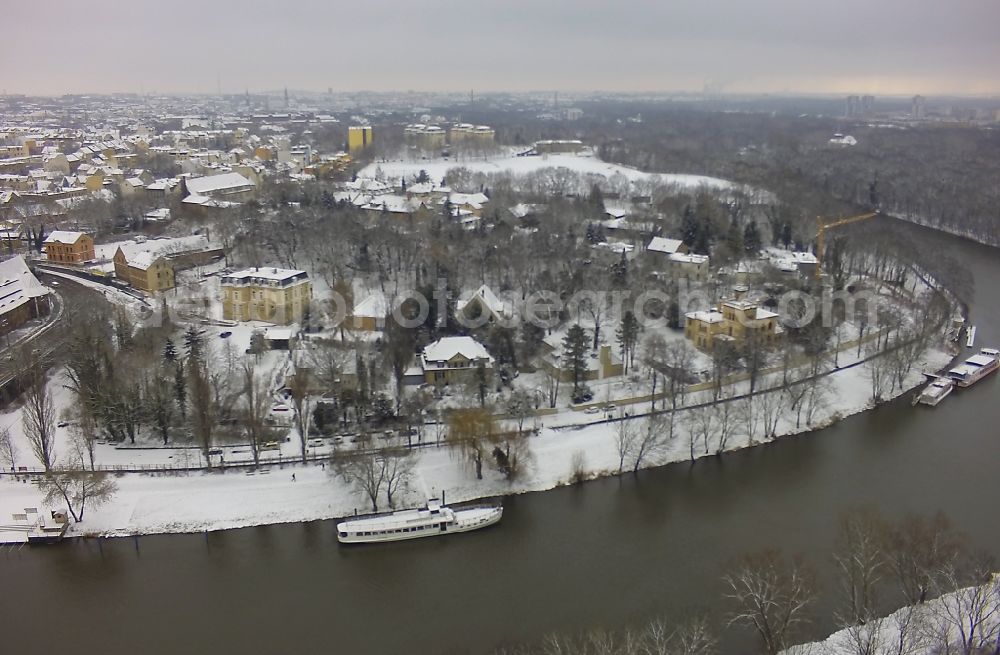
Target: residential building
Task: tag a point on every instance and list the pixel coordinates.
(151, 265)
(22, 296)
(471, 202)
(455, 359)
(64, 247)
(704, 327)
(369, 315)
(692, 267)
(736, 320)
(274, 295)
(425, 137)
(359, 137)
(231, 187)
(673, 255)
(557, 146)
(143, 269)
(482, 306)
(471, 134)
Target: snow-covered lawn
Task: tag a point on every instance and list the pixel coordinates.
(210, 501)
(518, 166)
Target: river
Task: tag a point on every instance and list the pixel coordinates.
(605, 553)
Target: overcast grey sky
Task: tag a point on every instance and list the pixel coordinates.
(846, 46)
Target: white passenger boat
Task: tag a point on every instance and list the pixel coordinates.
(976, 367)
(936, 391)
(430, 521)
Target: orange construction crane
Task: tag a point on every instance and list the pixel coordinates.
(821, 234)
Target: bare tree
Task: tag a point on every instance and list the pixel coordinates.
(879, 372)
(701, 424)
(625, 438)
(473, 431)
(918, 549)
(771, 597)
(727, 425)
(254, 412)
(202, 415)
(819, 389)
(364, 471)
(676, 363)
(796, 394)
(39, 416)
(861, 567)
(551, 382)
(650, 441)
(8, 449)
(578, 467)
(748, 412)
(302, 407)
(519, 407)
(511, 453)
(397, 465)
(595, 306)
(971, 611)
(77, 488)
(771, 405)
(83, 432)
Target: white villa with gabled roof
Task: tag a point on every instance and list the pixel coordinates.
(452, 359)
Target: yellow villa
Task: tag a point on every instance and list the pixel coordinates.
(274, 295)
(735, 320)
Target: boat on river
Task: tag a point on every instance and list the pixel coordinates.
(976, 367)
(433, 520)
(936, 391)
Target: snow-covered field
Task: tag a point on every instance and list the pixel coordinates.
(160, 503)
(520, 166)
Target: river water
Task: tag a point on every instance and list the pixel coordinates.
(607, 553)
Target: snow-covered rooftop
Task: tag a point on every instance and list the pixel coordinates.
(446, 348)
(215, 183)
(63, 236)
(17, 284)
(664, 245)
(263, 275)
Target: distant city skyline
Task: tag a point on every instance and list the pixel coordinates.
(893, 47)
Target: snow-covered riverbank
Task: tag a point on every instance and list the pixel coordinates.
(966, 617)
(166, 503)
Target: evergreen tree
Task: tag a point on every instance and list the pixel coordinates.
(596, 201)
(786, 234)
(751, 238)
(574, 356)
(180, 388)
(734, 239)
(481, 383)
(192, 343)
(674, 315)
(361, 397)
(169, 352)
(703, 238)
(619, 272)
(627, 335)
(689, 227)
